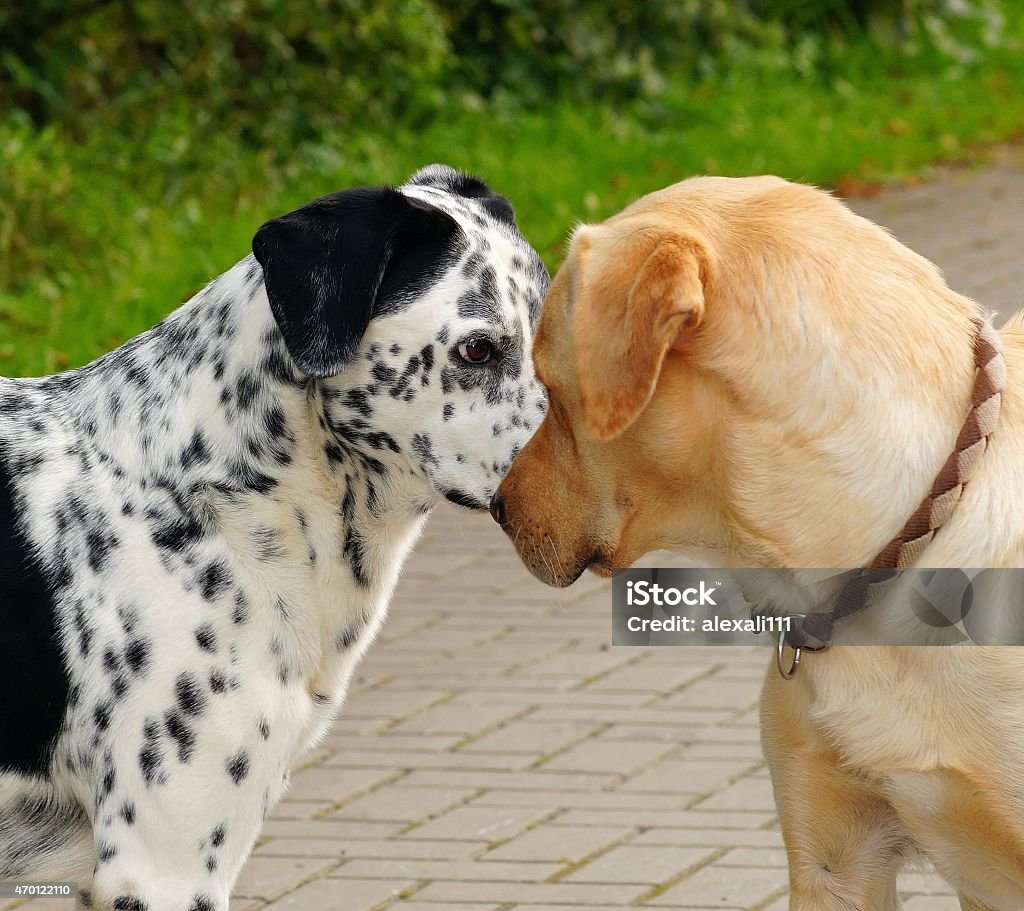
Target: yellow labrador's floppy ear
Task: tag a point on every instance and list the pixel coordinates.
(635, 299)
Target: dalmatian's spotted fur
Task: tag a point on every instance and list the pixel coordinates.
(199, 532)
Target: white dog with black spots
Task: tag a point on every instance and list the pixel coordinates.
(200, 532)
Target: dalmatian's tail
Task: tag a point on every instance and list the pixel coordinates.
(42, 837)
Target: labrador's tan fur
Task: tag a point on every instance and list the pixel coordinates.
(747, 371)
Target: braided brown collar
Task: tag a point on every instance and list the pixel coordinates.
(813, 632)
(986, 399)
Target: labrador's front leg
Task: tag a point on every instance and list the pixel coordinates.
(844, 844)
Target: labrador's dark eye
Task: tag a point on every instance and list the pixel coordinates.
(476, 351)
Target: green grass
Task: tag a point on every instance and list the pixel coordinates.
(117, 235)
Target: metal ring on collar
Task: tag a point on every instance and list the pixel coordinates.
(780, 657)
(798, 650)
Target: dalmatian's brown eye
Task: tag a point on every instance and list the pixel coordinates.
(476, 351)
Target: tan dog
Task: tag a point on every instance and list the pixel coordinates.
(746, 371)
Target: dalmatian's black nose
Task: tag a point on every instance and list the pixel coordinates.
(498, 510)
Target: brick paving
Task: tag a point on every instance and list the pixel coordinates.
(497, 754)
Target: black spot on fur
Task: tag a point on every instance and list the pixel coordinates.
(151, 756)
(347, 637)
(353, 552)
(107, 783)
(358, 400)
(99, 544)
(111, 663)
(218, 682)
(213, 580)
(275, 423)
(238, 766)
(245, 390)
(178, 533)
(424, 449)
(218, 835)
(101, 715)
(240, 612)
(427, 356)
(196, 452)
(206, 637)
(381, 440)
(268, 544)
(136, 656)
(180, 732)
(189, 694)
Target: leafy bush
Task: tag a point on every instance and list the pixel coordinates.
(527, 49)
(284, 70)
(266, 69)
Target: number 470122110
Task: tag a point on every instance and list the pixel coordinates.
(25, 890)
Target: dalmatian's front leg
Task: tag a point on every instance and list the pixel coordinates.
(175, 821)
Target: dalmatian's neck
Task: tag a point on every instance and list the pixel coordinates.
(215, 440)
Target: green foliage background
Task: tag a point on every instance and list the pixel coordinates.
(143, 141)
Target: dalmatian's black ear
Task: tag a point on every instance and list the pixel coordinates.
(324, 266)
(446, 178)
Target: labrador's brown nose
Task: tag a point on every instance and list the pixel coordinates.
(498, 510)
